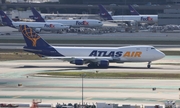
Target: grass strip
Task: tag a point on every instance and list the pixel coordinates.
(18, 56)
(166, 63)
(113, 75)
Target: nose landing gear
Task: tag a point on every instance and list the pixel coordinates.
(149, 65)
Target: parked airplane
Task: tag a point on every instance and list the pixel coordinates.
(134, 12)
(124, 18)
(93, 56)
(71, 22)
(37, 26)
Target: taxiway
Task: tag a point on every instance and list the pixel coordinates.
(53, 90)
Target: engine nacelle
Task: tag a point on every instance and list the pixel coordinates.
(77, 61)
(103, 63)
(38, 30)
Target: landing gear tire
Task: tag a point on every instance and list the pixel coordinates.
(149, 65)
(92, 65)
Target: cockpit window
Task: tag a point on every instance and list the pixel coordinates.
(99, 22)
(152, 48)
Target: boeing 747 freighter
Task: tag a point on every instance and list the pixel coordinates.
(93, 56)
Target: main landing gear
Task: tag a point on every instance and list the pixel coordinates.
(92, 65)
(149, 65)
(95, 65)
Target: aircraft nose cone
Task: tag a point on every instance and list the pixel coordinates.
(101, 24)
(161, 55)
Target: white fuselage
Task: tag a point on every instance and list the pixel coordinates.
(122, 54)
(138, 18)
(41, 25)
(78, 22)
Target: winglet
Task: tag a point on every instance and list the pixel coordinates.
(104, 13)
(133, 10)
(37, 15)
(5, 19)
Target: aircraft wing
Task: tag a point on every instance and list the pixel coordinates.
(86, 59)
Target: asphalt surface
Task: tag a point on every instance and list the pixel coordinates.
(53, 90)
(107, 36)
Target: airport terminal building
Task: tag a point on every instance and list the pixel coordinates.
(126, 2)
(170, 16)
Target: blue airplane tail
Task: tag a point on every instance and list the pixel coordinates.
(36, 44)
(36, 16)
(133, 11)
(104, 13)
(5, 19)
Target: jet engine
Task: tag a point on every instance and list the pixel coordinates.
(77, 62)
(38, 30)
(103, 63)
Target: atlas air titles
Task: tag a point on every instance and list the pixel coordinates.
(96, 53)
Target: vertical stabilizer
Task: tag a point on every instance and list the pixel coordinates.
(132, 10)
(32, 39)
(37, 15)
(104, 13)
(36, 44)
(5, 19)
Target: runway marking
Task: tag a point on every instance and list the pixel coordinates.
(89, 98)
(16, 97)
(77, 91)
(112, 85)
(162, 100)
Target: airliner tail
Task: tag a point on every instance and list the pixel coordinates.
(104, 13)
(35, 44)
(132, 10)
(37, 16)
(5, 19)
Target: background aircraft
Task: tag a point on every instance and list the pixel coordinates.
(69, 22)
(124, 18)
(37, 26)
(93, 56)
(134, 12)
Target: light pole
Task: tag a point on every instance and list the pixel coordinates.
(82, 75)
